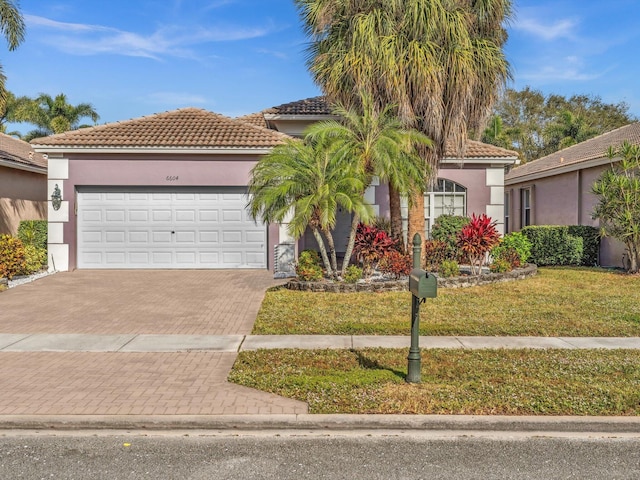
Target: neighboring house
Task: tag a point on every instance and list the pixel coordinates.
(556, 189)
(23, 184)
(168, 190)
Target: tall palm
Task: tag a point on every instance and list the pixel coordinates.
(12, 27)
(440, 61)
(54, 115)
(303, 183)
(376, 140)
(8, 112)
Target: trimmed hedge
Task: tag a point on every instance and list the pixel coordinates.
(590, 243)
(33, 232)
(553, 245)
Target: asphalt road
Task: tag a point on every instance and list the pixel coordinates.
(295, 455)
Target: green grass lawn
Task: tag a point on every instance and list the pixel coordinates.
(481, 382)
(556, 302)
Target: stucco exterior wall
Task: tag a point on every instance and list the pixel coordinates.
(139, 170)
(23, 196)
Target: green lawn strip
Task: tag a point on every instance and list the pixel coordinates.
(556, 302)
(478, 382)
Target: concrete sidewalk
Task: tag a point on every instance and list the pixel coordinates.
(236, 343)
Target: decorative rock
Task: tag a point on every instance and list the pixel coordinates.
(462, 281)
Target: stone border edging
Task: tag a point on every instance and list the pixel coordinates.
(462, 281)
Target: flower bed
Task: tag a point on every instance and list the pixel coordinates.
(461, 281)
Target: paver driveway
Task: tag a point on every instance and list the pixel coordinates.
(194, 302)
(102, 302)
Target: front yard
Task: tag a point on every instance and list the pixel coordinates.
(557, 302)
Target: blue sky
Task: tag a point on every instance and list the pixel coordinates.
(138, 57)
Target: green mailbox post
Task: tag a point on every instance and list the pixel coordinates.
(422, 286)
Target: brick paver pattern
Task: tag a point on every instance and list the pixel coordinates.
(197, 302)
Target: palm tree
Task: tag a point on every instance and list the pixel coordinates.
(441, 62)
(12, 27)
(53, 115)
(8, 112)
(377, 141)
(304, 182)
(567, 129)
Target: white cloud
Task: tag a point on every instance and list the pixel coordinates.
(86, 39)
(273, 53)
(560, 29)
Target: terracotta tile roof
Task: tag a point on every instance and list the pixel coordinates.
(183, 128)
(320, 106)
(255, 119)
(307, 106)
(592, 149)
(19, 152)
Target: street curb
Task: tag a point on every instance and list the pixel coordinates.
(322, 422)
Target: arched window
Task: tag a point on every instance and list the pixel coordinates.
(446, 198)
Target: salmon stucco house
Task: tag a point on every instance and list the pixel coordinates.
(169, 190)
(23, 184)
(556, 189)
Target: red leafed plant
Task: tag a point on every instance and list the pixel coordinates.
(396, 263)
(370, 245)
(476, 239)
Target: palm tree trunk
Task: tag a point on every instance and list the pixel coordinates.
(395, 214)
(332, 249)
(416, 221)
(323, 251)
(352, 240)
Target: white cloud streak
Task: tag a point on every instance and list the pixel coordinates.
(564, 28)
(174, 41)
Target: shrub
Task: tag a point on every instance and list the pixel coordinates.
(590, 243)
(12, 257)
(309, 273)
(370, 245)
(446, 229)
(353, 274)
(34, 259)
(476, 239)
(552, 245)
(395, 263)
(449, 268)
(514, 241)
(33, 232)
(435, 252)
(509, 255)
(308, 267)
(500, 265)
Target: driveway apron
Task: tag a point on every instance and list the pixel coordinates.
(134, 302)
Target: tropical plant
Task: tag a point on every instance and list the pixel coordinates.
(516, 241)
(449, 268)
(500, 265)
(53, 115)
(566, 130)
(303, 183)
(8, 112)
(441, 63)
(353, 274)
(396, 263)
(435, 252)
(371, 245)
(476, 239)
(12, 256)
(502, 256)
(12, 28)
(377, 140)
(446, 229)
(618, 207)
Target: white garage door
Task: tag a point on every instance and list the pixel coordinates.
(172, 228)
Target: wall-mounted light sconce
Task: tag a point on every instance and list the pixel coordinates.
(56, 198)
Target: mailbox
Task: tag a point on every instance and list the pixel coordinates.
(423, 285)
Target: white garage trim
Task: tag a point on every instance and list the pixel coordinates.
(179, 227)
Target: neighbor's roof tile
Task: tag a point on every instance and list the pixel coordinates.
(183, 128)
(20, 152)
(588, 150)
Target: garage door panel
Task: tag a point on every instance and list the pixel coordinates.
(133, 229)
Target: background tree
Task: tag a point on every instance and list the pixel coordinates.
(376, 140)
(8, 112)
(441, 63)
(53, 115)
(303, 183)
(13, 28)
(618, 208)
(536, 125)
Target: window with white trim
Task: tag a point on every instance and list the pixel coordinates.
(525, 207)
